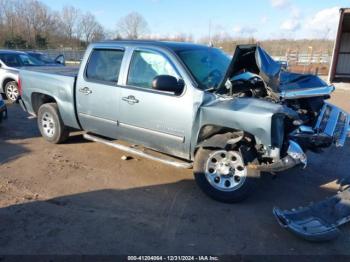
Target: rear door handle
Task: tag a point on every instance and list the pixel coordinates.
(130, 100)
(85, 91)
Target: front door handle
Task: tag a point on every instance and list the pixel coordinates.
(85, 91)
(131, 100)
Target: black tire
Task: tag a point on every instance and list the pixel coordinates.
(11, 91)
(59, 132)
(237, 195)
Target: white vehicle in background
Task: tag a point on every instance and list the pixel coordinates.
(10, 63)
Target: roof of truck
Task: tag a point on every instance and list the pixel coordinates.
(176, 46)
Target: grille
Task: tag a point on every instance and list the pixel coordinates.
(333, 122)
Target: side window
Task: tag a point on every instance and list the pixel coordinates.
(104, 65)
(145, 66)
(10, 60)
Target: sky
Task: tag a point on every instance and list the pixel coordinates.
(262, 19)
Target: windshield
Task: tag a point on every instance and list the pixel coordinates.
(207, 65)
(44, 58)
(19, 60)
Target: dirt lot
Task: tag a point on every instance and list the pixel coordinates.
(80, 198)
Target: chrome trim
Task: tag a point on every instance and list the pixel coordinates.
(307, 92)
(180, 139)
(177, 164)
(295, 157)
(295, 152)
(332, 124)
(98, 118)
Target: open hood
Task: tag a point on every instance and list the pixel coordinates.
(254, 59)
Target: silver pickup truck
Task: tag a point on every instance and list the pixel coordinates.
(229, 119)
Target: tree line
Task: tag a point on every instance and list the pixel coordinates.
(30, 24)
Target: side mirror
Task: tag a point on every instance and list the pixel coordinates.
(60, 60)
(168, 83)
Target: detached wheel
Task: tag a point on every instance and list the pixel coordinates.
(223, 176)
(51, 125)
(11, 91)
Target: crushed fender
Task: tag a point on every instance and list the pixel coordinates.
(317, 222)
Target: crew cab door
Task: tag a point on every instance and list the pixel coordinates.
(155, 119)
(97, 92)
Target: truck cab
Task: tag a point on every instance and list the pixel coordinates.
(122, 76)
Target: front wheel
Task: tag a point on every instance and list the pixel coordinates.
(11, 91)
(51, 125)
(223, 175)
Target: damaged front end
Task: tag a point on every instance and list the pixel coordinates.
(306, 123)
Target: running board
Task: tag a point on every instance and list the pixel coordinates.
(174, 163)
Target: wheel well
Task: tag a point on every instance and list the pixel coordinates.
(210, 130)
(39, 99)
(4, 83)
(211, 134)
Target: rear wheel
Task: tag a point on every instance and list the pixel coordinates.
(11, 91)
(51, 125)
(223, 175)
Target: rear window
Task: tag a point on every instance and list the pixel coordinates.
(104, 65)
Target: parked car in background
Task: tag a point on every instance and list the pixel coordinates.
(59, 60)
(3, 109)
(229, 119)
(10, 63)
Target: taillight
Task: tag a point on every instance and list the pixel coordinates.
(19, 85)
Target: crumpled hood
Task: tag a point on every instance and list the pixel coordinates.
(294, 81)
(254, 59)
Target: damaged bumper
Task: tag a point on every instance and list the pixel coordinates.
(332, 127)
(295, 156)
(317, 222)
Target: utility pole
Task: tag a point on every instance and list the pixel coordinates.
(210, 41)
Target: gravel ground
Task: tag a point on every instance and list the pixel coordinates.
(81, 198)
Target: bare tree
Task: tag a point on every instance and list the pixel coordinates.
(132, 26)
(69, 20)
(90, 29)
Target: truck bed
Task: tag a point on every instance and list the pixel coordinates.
(56, 70)
(58, 83)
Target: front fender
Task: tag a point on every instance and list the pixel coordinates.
(251, 115)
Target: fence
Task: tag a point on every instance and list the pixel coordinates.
(304, 62)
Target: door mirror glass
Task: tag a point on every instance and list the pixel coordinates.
(60, 60)
(168, 83)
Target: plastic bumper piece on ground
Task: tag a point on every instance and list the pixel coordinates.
(317, 222)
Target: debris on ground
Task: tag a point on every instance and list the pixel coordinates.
(125, 158)
(317, 222)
